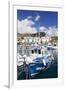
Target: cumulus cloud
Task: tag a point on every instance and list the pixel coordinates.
(42, 28)
(29, 17)
(37, 18)
(26, 26)
(51, 31)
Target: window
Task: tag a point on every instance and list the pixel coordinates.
(35, 50)
(32, 51)
(39, 51)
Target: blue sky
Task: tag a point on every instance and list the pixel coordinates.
(34, 21)
(47, 18)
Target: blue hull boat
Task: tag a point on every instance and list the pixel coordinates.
(35, 68)
(38, 64)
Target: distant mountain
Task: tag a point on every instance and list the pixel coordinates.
(38, 34)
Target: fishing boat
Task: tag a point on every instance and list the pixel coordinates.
(38, 60)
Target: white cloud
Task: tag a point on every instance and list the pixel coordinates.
(26, 26)
(37, 18)
(52, 31)
(42, 28)
(29, 17)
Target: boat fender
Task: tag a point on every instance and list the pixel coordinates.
(44, 62)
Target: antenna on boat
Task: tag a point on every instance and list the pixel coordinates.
(38, 24)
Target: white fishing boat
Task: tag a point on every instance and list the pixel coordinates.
(37, 60)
